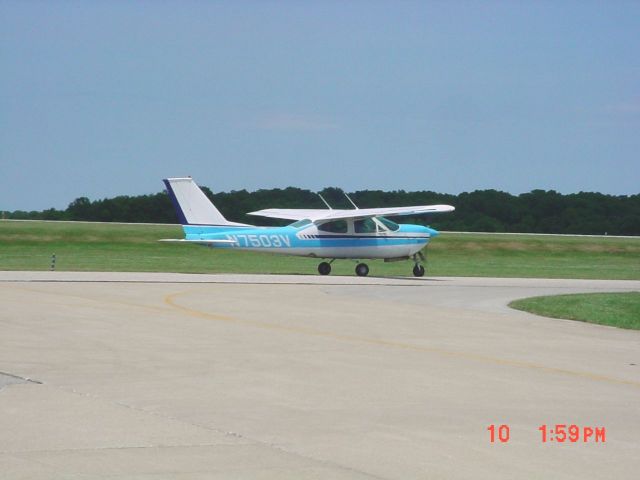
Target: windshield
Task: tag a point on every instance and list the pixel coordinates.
(393, 226)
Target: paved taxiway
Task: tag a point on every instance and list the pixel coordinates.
(154, 376)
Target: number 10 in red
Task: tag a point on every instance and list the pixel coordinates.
(502, 433)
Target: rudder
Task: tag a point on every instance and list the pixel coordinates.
(192, 205)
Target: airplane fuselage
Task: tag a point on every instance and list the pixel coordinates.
(321, 233)
(309, 240)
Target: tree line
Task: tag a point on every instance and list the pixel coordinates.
(538, 211)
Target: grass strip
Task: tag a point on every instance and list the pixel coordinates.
(620, 310)
(128, 247)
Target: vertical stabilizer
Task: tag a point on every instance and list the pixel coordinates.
(192, 205)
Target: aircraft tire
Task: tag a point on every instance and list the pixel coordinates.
(418, 271)
(362, 269)
(324, 268)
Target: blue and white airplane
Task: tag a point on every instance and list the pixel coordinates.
(328, 234)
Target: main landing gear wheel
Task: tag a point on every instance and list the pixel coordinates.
(418, 270)
(362, 269)
(324, 268)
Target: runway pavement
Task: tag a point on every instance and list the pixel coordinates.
(154, 376)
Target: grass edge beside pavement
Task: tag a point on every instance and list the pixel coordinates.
(619, 309)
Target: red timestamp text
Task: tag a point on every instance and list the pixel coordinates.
(502, 433)
(558, 433)
(561, 433)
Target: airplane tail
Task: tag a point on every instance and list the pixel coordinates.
(192, 205)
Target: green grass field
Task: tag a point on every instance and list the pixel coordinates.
(615, 309)
(115, 247)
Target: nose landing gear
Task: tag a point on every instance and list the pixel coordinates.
(418, 269)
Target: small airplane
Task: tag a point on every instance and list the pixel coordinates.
(328, 234)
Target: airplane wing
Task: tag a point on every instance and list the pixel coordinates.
(326, 214)
(291, 213)
(387, 212)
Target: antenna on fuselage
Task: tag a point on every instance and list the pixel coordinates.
(325, 202)
(348, 198)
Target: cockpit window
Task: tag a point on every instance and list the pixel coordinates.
(301, 223)
(337, 226)
(393, 226)
(366, 225)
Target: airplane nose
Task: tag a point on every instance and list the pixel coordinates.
(432, 231)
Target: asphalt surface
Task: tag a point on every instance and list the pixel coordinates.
(154, 376)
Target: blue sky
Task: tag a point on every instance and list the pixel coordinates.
(100, 99)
